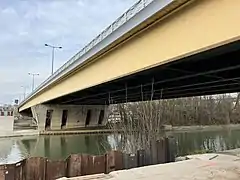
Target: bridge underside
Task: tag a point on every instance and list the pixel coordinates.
(210, 72)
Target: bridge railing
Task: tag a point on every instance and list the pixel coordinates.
(137, 7)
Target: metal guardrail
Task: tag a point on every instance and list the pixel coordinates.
(137, 7)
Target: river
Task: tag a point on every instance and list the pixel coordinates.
(59, 147)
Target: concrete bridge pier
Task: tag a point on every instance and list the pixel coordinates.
(56, 117)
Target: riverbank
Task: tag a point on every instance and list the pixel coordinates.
(203, 127)
(198, 167)
(18, 133)
(166, 128)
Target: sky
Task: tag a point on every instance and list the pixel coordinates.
(26, 25)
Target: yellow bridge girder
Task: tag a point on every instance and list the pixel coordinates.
(199, 26)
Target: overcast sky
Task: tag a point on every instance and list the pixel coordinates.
(26, 25)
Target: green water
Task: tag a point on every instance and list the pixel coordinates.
(213, 141)
(59, 147)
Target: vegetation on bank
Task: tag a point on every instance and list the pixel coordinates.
(201, 110)
(142, 121)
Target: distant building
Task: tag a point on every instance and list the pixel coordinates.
(6, 120)
(7, 110)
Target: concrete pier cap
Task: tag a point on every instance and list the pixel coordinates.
(56, 117)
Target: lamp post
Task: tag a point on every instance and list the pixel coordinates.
(53, 48)
(33, 76)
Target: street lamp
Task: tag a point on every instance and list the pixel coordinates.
(53, 48)
(33, 75)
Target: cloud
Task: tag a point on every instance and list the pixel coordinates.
(26, 25)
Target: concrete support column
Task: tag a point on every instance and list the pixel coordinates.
(39, 113)
(96, 110)
(106, 115)
(56, 120)
(76, 115)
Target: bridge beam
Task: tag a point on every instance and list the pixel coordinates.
(56, 117)
(198, 27)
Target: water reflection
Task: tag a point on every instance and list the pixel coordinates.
(214, 141)
(11, 151)
(6, 147)
(59, 147)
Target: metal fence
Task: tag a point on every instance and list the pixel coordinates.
(83, 164)
(136, 8)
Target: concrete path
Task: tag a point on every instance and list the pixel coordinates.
(78, 131)
(18, 133)
(199, 167)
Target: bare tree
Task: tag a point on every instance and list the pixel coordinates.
(142, 122)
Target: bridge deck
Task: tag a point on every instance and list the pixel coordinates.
(191, 49)
(211, 72)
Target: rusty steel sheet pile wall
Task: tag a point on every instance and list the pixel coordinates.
(38, 168)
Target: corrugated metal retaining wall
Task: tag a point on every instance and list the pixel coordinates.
(37, 168)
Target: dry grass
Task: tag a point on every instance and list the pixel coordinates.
(142, 122)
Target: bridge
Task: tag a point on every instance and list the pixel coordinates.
(157, 49)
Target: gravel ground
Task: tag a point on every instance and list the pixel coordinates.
(198, 167)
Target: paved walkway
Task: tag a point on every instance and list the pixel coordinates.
(17, 133)
(78, 131)
(199, 167)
